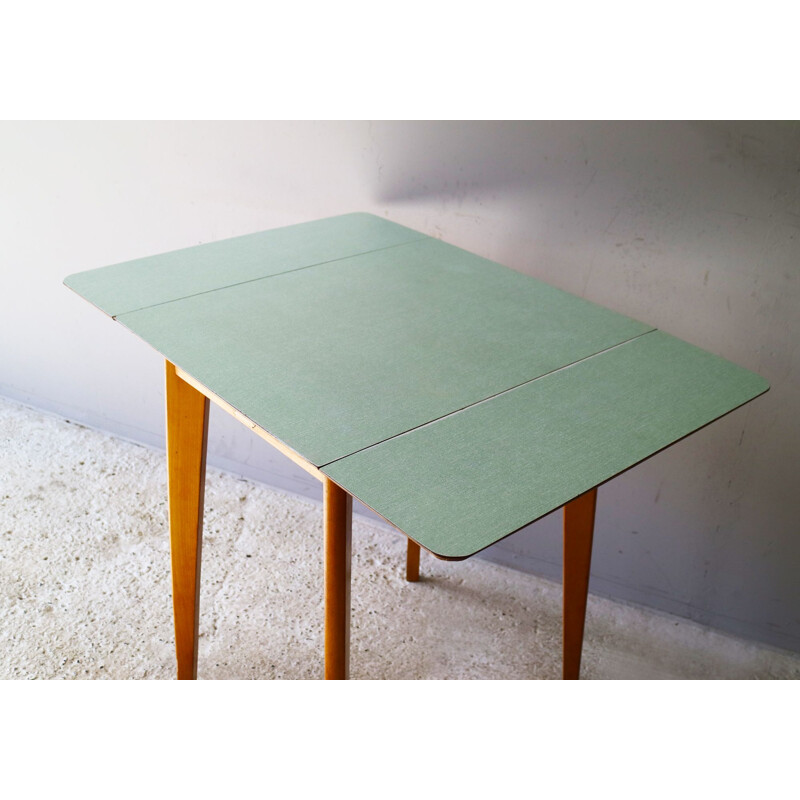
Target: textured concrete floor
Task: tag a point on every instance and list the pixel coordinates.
(84, 586)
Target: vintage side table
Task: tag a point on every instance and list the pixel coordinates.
(457, 398)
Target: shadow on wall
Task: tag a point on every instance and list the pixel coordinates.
(561, 189)
(695, 228)
(450, 161)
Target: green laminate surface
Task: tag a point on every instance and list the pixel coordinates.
(334, 358)
(125, 287)
(459, 399)
(463, 482)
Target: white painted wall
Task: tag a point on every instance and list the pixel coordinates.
(693, 227)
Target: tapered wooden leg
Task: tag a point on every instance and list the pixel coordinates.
(338, 514)
(578, 532)
(412, 561)
(187, 434)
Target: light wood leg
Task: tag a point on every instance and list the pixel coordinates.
(412, 561)
(187, 434)
(578, 532)
(338, 514)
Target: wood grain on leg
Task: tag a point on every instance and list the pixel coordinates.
(578, 533)
(338, 513)
(187, 434)
(412, 561)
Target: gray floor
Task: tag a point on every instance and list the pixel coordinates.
(84, 586)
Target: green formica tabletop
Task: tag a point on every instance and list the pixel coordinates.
(457, 398)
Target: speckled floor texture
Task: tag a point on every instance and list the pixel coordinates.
(85, 588)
